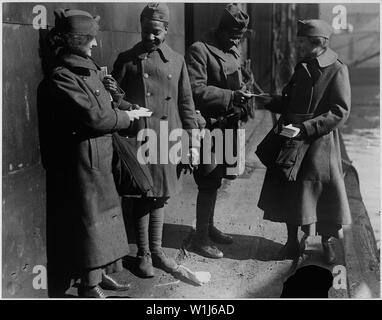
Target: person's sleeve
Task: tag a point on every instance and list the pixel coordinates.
(339, 107)
(102, 119)
(205, 96)
(186, 103)
(119, 69)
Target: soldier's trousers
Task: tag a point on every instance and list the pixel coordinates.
(205, 204)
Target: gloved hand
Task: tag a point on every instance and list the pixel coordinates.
(236, 113)
(240, 97)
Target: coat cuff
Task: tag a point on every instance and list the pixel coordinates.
(122, 120)
(309, 128)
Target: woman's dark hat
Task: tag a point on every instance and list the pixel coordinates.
(156, 11)
(234, 20)
(76, 22)
(314, 28)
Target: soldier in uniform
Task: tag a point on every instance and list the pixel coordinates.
(215, 73)
(154, 76)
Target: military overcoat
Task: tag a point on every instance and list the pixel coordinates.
(78, 160)
(159, 81)
(214, 74)
(319, 194)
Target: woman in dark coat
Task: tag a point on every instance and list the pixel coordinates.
(81, 118)
(317, 101)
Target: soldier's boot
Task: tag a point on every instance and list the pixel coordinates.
(145, 267)
(159, 257)
(216, 235)
(205, 206)
(162, 261)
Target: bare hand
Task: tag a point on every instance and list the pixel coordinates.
(133, 114)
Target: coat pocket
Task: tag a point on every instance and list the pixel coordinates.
(288, 153)
(290, 158)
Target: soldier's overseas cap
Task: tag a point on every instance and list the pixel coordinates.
(156, 11)
(234, 20)
(76, 22)
(314, 28)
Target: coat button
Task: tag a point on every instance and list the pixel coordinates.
(145, 75)
(97, 92)
(148, 94)
(84, 78)
(169, 76)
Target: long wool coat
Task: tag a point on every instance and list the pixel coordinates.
(319, 193)
(158, 81)
(214, 75)
(78, 159)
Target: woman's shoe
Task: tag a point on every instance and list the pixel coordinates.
(91, 292)
(108, 283)
(145, 265)
(290, 251)
(329, 253)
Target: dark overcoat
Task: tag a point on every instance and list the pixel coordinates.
(159, 81)
(318, 194)
(214, 75)
(78, 161)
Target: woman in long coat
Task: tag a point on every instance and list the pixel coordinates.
(319, 95)
(86, 227)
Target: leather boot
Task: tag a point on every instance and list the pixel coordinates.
(205, 248)
(108, 283)
(219, 237)
(162, 261)
(145, 265)
(329, 253)
(91, 292)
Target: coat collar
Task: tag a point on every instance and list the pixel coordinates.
(164, 51)
(327, 58)
(212, 44)
(75, 61)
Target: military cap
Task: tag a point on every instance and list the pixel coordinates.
(76, 22)
(156, 11)
(234, 20)
(314, 28)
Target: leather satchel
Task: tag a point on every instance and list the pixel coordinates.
(130, 176)
(269, 148)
